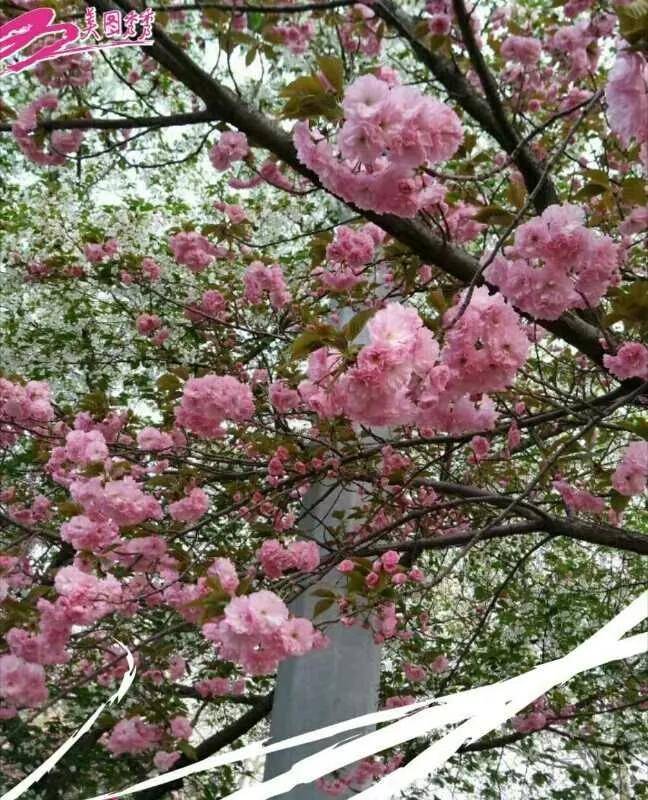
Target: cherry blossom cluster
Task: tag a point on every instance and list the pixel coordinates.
(390, 133)
(209, 401)
(257, 632)
(22, 408)
(631, 474)
(626, 93)
(296, 37)
(402, 377)
(359, 776)
(347, 255)
(194, 250)
(210, 307)
(219, 687)
(72, 70)
(62, 143)
(276, 559)
(630, 361)
(260, 279)
(556, 263)
(231, 147)
(578, 499)
(540, 715)
(191, 507)
(96, 252)
(360, 31)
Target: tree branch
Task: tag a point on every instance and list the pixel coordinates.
(123, 123)
(264, 133)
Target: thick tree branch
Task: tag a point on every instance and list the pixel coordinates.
(579, 530)
(263, 132)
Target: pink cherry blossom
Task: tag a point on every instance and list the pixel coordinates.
(154, 440)
(630, 361)
(209, 401)
(631, 473)
(231, 147)
(191, 508)
(22, 684)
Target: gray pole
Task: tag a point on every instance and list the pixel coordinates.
(329, 685)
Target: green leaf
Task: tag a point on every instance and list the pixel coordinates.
(633, 22)
(333, 69)
(619, 501)
(355, 325)
(590, 190)
(188, 750)
(494, 215)
(324, 593)
(305, 344)
(321, 606)
(633, 191)
(597, 176)
(630, 306)
(308, 99)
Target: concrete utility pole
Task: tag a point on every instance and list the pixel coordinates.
(329, 685)
(340, 682)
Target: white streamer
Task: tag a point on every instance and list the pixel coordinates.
(57, 755)
(477, 712)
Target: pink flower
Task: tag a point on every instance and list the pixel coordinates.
(191, 508)
(305, 555)
(84, 533)
(631, 474)
(274, 558)
(124, 502)
(70, 70)
(260, 279)
(85, 447)
(164, 761)
(556, 264)
(523, 49)
(440, 664)
(485, 346)
(389, 560)
(399, 700)
(579, 499)
(346, 566)
(439, 24)
(147, 324)
(372, 580)
(180, 728)
(414, 672)
(32, 145)
(151, 269)
(282, 397)
(389, 131)
(297, 636)
(194, 250)
(232, 146)
(480, 447)
(630, 361)
(132, 736)
(627, 97)
(154, 440)
(208, 401)
(177, 667)
(22, 684)
(225, 571)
